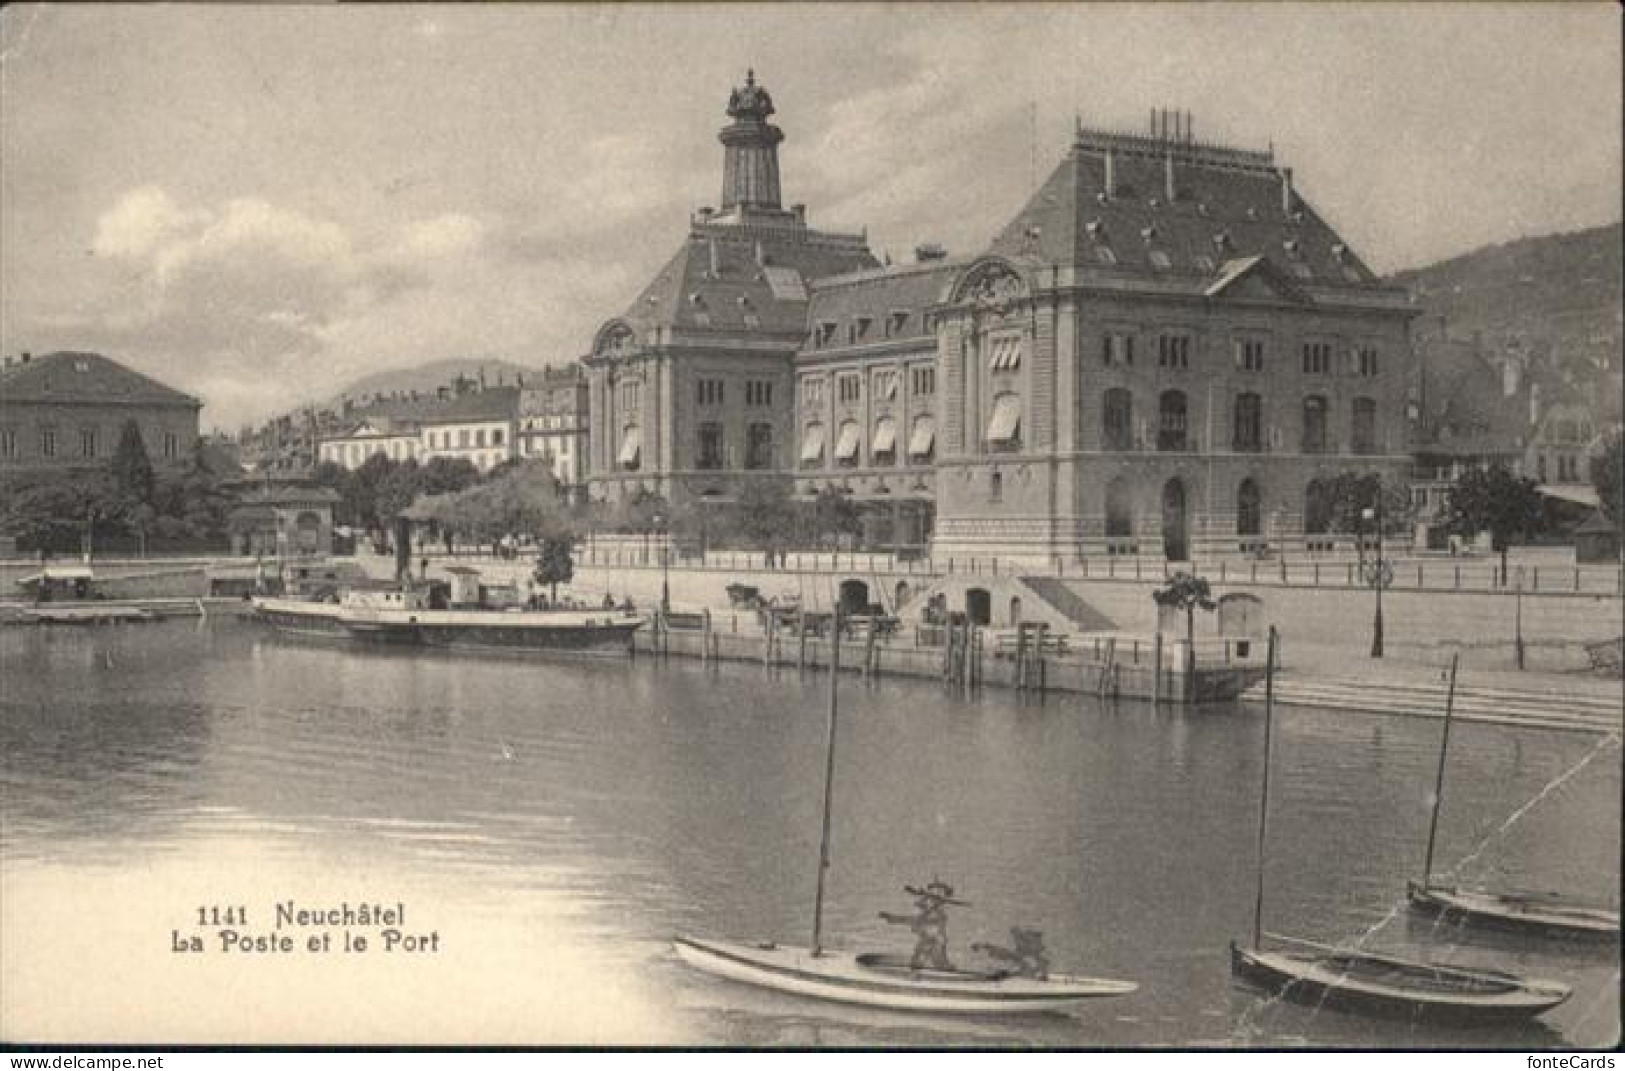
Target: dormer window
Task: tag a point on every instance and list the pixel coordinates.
(1155, 202)
(1149, 233)
(1105, 255)
(895, 322)
(1201, 208)
(1221, 241)
(1160, 261)
(862, 326)
(1204, 264)
(824, 332)
(1096, 230)
(1293, 249)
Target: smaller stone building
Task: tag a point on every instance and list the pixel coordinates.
(283, 519)
(68, 410)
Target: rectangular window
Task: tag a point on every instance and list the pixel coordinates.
(479, 437)
(708, 454)
(1314, 425)
(709, 391)
(87, 442)
(1364, 432)
(462, 438)
(823, 333)
(860, 328)
(1249, 355)
(47, 442)
(1368, 361)
(925, 381)
(886, 384)
(1317, 358)
(849, 387)
(172, 445)
(759, 446)
(1118, 420)
(8, 442)
(895, 322)
(629, 394)
(1006, 352)
(1248, 435)
(758, 392)
(1173, 351)
(496, 436)
(1117, 348)
(812, 393)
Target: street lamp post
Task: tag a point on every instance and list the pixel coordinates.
(665, 565)
(1379, 573)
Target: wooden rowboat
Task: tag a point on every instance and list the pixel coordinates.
(1546, 914)
(1373, 984)
(888, 981)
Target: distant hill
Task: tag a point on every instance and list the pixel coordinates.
(427, 377)
(1556, 296)
(1554, 300)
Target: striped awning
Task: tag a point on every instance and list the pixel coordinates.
(1005, 425)
(846, 447)
(885, 436)
(924, 437)
(631, 446)
(812, 443)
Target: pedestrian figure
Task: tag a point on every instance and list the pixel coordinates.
(929, 924)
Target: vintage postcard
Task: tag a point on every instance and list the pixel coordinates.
(811, 526)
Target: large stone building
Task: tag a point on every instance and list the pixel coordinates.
(479, 425)
(68, 410)
(1167, 351)
(691, 388)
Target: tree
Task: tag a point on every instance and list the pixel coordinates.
(767, 513)
(1608, 476)
(1348, 495)
(554, 565)
(131, 468)
(1187, 592)
(834, 515)
(1495, 501)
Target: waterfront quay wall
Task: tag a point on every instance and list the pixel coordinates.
(1319, 625)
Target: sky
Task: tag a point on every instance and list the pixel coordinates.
(260, 204)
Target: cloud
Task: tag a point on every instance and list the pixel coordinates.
(258, 306)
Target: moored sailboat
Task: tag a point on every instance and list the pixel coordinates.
(1545, 914)
(1355, 980)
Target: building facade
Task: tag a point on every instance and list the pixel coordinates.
(552, 423)
(477, 425)
(1166, 352)
(68, 410)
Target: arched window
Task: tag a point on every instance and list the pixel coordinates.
(1119, 508)
(1117, 419)
(1315, 439)
(1249, 424)
(1249, 509)
(1363, 437)
(1171, 422)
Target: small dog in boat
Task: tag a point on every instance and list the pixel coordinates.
(1027, 958)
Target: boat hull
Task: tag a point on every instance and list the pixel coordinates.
(1347, 980)
(581, 632)
(1547, 916)
(844, 977)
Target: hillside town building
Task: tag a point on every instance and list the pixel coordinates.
(1167, 351)
(68, 410)
(552, 423)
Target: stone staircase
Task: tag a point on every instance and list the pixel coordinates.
(1069, 604)
(1502, 706)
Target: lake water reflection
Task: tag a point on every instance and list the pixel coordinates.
(556, 822)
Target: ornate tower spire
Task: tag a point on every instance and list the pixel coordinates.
(750, 165)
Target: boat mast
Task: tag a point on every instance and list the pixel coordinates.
(1264, 796)
(829, 780)
(1438, 782)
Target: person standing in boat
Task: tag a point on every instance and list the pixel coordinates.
(929, 924)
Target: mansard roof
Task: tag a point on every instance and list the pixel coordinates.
(746, 279)
(887, 304)
(86, 378)
(1227, 205)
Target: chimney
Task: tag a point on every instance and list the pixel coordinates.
(1286, 191)
(27, 356)
(800, 212)
(716, 260)
(1111, 173)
